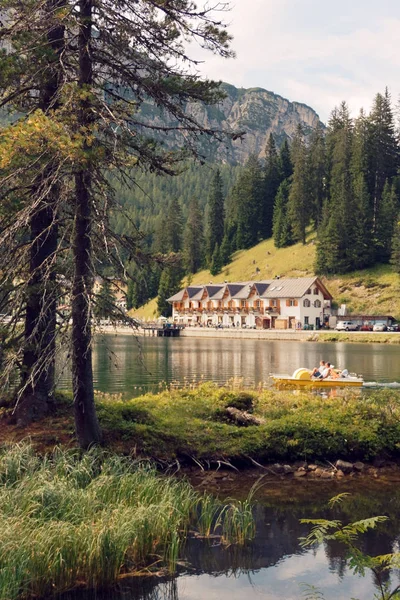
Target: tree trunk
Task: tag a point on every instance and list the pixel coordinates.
(38, 362)
(37, 379)
(87, 426)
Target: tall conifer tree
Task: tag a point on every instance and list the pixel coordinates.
(335, 249)
(193, 246)
(385, 222)
(285, 161)
(216, 215)
(247, 196)
(316, 170)
(384, 151)
(299, 205)
(282, 230)
(272, 180)
(173, 227)
(364, 248)
(395, 256)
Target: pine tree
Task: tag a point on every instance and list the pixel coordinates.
(299, 205)
(215, 215)
(395, 257)
(282, 230)
(385, 223)
(193, 248)
(364, 252)
(141, 58)
(247, 197)
(216, 262)
(363, 248)
(285, 161)
(173, 227)
(316, 171)
(272, 180)
(384, 150)
(336, 252)
(105, 302)
(32, 78)
(170, 283)
(225, 250)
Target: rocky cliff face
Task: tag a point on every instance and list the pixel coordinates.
(255, 111)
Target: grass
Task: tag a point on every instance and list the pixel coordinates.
(70, 520)
(371, 291)
(191, 423)
(363, 338)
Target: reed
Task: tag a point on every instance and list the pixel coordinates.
(71, 519)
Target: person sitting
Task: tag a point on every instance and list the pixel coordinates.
(334, 373)
(327, 371)
(317, 371)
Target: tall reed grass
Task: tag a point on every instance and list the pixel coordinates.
(71, 519)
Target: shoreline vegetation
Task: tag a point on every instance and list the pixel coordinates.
(203, 425)
(71, 520)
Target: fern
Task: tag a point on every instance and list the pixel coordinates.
(357, 561)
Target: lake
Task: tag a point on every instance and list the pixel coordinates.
(129, 365)
(274, 566)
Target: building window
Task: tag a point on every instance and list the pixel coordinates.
(306, 321)
(274, 303)
(308, 291)
(243, 303)
(317, 303)
(316, 291)
(257, 304)
(307, 303)
(291, 302)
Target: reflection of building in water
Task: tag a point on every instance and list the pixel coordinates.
(287, 303)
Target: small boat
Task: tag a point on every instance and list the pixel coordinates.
(302, 378)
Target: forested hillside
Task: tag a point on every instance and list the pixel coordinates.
(342, 184)
(369, 291)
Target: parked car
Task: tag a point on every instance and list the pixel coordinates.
(380, 327)
(366, 327)
(346, 326)
(393, 327)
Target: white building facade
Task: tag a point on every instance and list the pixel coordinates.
(284, 303)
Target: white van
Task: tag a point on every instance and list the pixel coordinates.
(346, 326)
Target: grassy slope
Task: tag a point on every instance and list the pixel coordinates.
(371, 291)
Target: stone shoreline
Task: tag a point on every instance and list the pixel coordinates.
(266, 334)
(287, 475)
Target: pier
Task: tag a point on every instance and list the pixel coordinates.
(163, 329)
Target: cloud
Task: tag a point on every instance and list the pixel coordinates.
(319, 55)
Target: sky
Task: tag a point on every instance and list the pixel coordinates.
(318, 52)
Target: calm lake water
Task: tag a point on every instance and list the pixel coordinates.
(274, 566)
(132, 365)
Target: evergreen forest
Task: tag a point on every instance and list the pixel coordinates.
(342, 183)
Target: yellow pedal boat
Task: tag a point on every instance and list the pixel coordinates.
(302, 378)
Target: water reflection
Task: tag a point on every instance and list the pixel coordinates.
(126, 364)
(273, 566)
